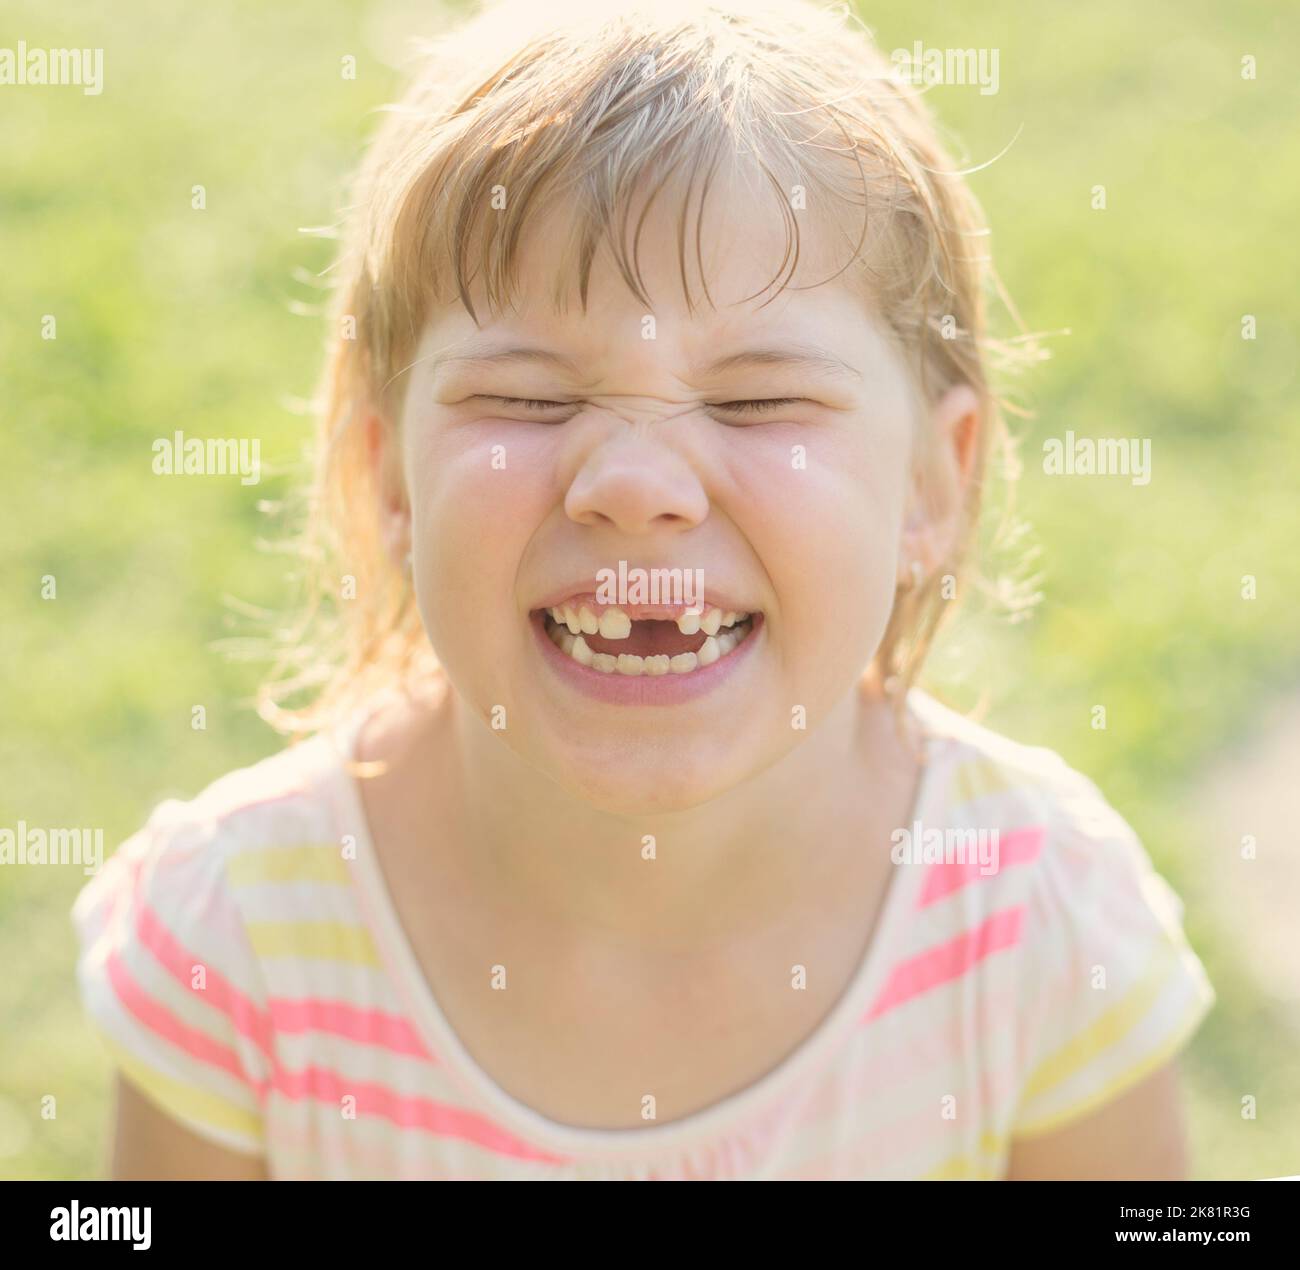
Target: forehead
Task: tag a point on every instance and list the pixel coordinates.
(735, 265)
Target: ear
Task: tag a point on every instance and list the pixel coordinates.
(383, 451)
(943, 466)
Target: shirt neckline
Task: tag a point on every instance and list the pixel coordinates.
(436, 1032)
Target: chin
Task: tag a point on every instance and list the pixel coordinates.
(642, 780)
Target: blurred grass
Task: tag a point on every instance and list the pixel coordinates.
(174, 318)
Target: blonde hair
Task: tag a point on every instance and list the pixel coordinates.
(585, 106)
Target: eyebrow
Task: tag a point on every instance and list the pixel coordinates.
(505, 356)
(796, 357)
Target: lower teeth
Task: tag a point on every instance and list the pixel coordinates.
(714, 647)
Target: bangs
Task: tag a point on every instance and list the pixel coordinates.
(649, 123)
(610, 198)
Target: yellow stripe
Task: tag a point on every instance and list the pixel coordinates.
(978, 778)
(183, 1101)
(288, 864)
(325, 941)
(1173, 1042)
(963, 1167)
(1109, 1028)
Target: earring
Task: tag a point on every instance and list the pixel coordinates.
(408, 566)
(915, 576)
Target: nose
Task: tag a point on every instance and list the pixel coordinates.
(636, 484)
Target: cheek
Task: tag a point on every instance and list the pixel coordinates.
(472, 493)
(826, 522)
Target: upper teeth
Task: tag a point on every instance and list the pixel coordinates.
(614, 623)
(569, 628)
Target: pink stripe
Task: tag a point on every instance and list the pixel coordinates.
(316, 1084)
(949, 960)
(921, 1048)
(249, 1021)
(159, 1020)
(1020, 846)
(366, 1027)
(322, 1085)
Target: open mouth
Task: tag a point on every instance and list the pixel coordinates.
(613, 641)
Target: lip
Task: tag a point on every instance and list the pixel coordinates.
(646, 690)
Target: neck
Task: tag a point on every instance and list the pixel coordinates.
(747, 861)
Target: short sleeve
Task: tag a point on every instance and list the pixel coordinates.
(169, 981)
(1113, 990)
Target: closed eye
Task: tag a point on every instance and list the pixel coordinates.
(754, 406)
(528, 403)
(757, 406)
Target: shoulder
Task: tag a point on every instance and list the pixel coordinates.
(1006, 776)
(178, 863)
(292, 796)
(1103, 983)
(173, 930)
(1055, 837)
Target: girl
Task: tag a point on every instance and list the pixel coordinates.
(574, 880)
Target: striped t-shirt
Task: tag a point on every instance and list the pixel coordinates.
(242, 960)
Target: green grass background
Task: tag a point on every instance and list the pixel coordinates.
(172, 318)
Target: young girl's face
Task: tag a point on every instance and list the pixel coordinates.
(795, 512)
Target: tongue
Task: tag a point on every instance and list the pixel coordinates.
(648, 639)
